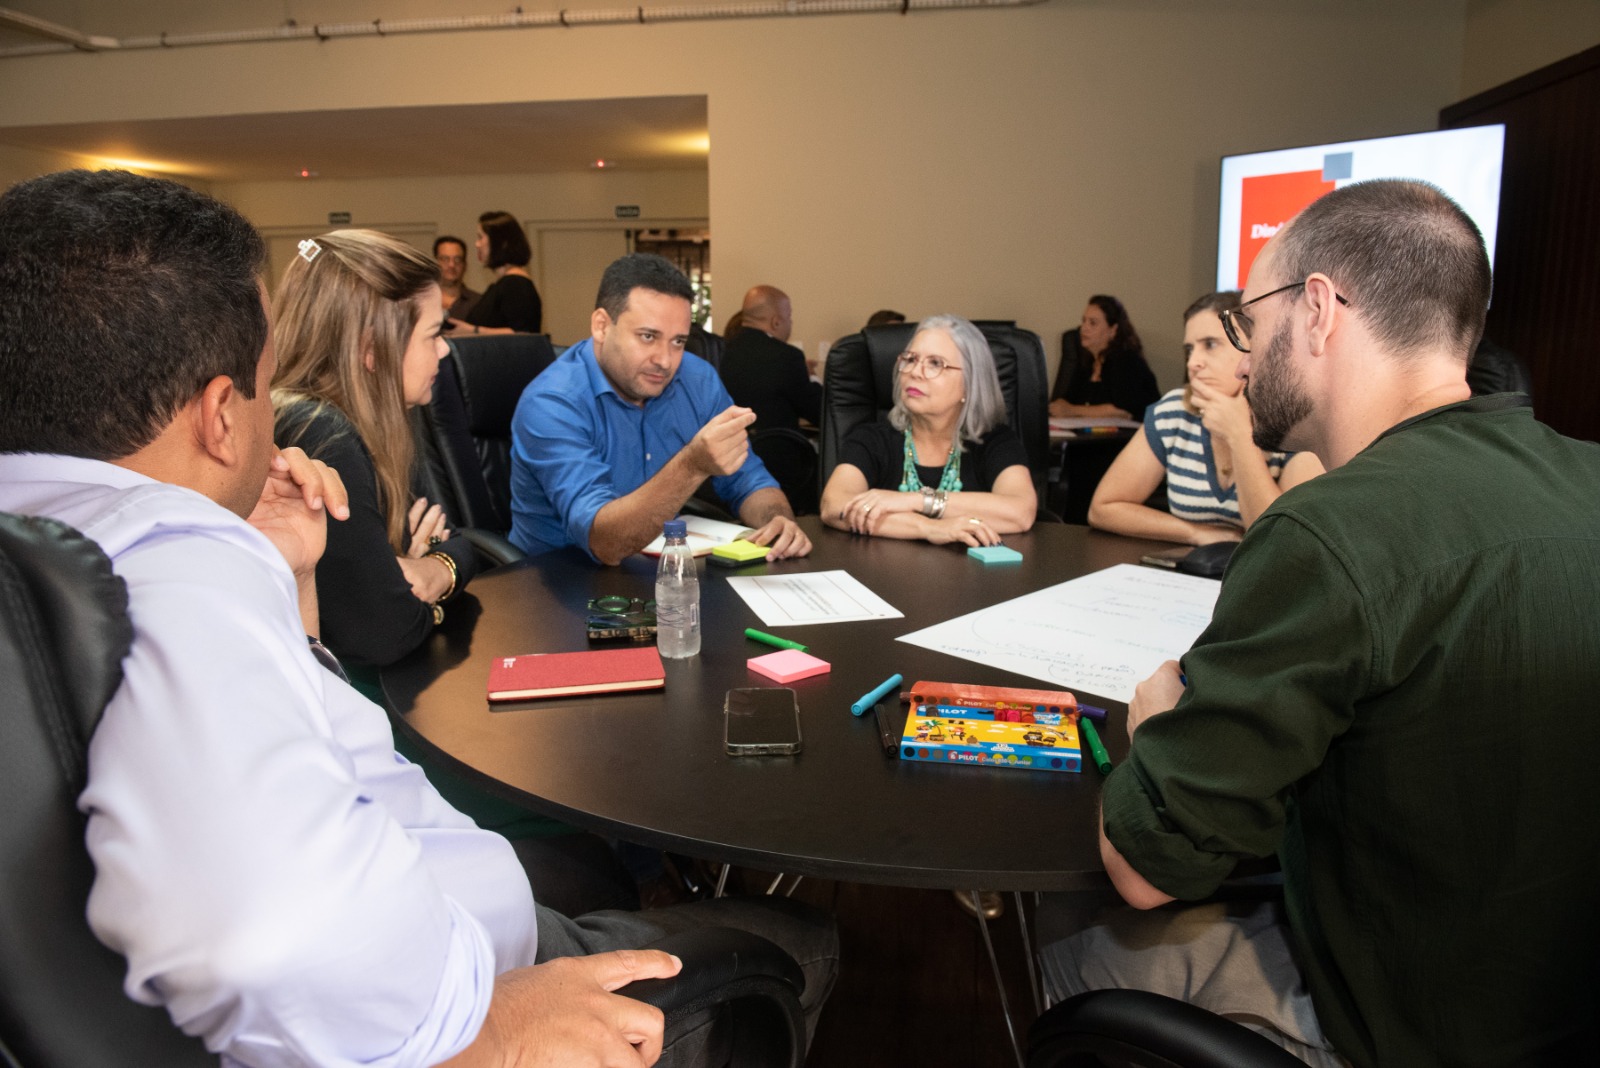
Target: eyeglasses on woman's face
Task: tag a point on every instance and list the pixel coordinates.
(931, 366)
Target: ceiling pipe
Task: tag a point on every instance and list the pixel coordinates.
(68, 38)
(63, 39)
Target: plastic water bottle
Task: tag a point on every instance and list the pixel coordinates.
(677, 596)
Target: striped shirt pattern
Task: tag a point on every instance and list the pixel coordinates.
(1183, 445)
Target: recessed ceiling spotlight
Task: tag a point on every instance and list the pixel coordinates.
(304, 173)
(600, 164)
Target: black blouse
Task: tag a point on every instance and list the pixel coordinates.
(878, 450)
(370, 617)
(512, 300)
(1125, 379)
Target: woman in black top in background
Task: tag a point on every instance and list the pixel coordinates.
(1107, 377)
(511, 304)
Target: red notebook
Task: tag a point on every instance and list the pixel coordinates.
(523, 678)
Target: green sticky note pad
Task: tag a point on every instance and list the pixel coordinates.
(995, 554)
(740, 551)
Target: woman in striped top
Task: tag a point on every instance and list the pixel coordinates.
(1198, 439)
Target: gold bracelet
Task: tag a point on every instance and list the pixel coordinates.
(449, 563)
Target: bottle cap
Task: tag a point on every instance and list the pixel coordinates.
(674, 528)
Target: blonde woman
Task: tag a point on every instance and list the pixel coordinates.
(356, 329)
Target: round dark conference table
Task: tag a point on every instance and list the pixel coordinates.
(650, 767)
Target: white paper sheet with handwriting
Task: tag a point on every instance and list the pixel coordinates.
(816, 597)
(1101, 634)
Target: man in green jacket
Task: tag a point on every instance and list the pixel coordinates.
(1396, 694)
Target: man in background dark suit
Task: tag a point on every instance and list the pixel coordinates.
(763, 372)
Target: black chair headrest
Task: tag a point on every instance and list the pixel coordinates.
(63, 605)
(493, 371)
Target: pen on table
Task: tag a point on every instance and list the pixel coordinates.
(876, 694)
(1102, 759)
(771, 639)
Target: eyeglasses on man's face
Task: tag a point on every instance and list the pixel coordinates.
(1238, 326)
(932, 366)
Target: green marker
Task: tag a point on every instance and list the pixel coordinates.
(771, 639)
(1102, 759)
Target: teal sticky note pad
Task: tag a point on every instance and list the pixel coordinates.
(994, 554)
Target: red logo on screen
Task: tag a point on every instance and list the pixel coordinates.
(1269, 201)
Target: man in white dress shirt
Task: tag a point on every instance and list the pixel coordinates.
(277, 878)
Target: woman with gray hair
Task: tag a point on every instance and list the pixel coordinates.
(946, 467)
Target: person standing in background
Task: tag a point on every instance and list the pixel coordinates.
(511, 304)
(450, 253)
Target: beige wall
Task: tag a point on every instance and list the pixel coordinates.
(1506, 39)
(422, 208)
(20, 164)
(1001, 164)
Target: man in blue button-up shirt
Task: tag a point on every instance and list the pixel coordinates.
(612, 438)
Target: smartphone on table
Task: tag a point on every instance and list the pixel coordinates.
(761, 721)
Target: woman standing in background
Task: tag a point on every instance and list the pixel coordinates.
(511, 304)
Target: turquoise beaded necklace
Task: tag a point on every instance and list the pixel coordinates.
(949, 481)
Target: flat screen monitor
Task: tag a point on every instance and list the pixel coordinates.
(1263, 190)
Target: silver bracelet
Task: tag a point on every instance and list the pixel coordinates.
(927, 501)
(939, 501)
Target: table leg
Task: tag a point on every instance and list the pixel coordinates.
(999, 980)
(1027, 953)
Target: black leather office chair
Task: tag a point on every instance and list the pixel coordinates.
(706, 345)
(1137, 1028)
(1071, 349)
(464, 433)
(63, 633)
(1496, 369)
(858, 387)
(791, 458)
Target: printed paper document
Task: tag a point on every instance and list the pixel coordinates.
(1101, 634)
(817, 597)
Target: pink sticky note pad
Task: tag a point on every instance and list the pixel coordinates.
(787, 665)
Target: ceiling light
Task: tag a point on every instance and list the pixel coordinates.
(130, 164)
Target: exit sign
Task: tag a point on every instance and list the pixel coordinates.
(338, 218)
(627, 211)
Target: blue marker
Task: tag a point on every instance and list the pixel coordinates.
(875, 695)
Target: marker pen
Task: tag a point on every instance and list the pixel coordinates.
(875, 695)
(1102, 759)
(772, 639)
